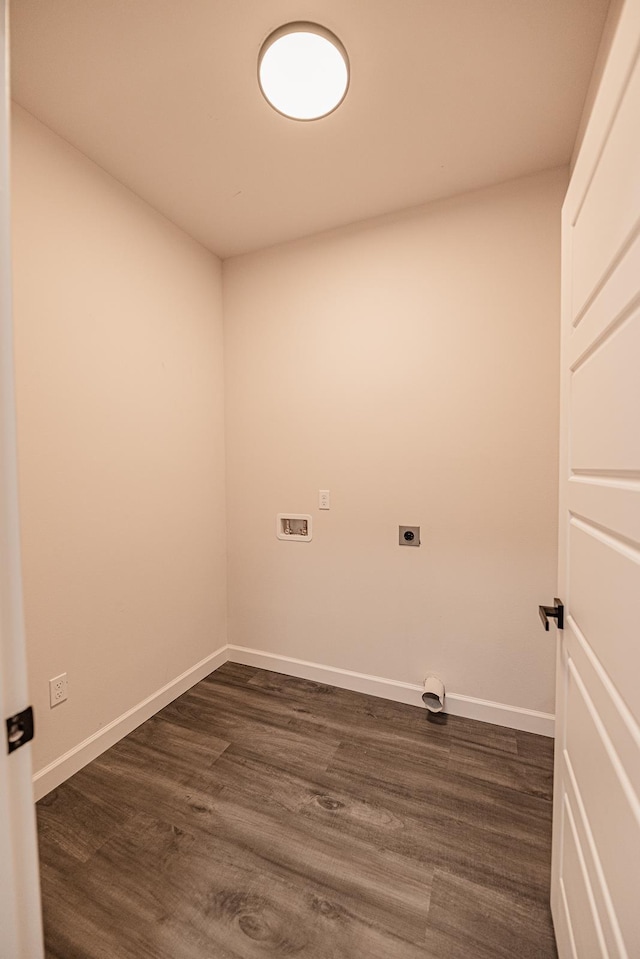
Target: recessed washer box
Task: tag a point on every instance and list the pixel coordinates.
(294, 526)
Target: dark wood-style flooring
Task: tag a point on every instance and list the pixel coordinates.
(264, 816)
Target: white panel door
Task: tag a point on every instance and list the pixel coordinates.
(595, 894)
(20, 924)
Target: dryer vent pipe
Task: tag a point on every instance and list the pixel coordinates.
(433, 694)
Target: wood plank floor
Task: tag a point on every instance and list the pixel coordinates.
(264, 816)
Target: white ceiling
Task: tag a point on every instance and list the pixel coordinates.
(445, 96)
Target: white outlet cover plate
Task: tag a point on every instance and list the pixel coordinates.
(57, 690)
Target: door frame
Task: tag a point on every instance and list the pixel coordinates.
(20, 911)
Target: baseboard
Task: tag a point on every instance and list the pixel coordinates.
(500, 714)
(72, 761)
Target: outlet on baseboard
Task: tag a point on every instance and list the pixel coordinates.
(57, 690)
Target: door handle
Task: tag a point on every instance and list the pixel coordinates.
(554, 612)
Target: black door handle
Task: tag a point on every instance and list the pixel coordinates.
(555, 612)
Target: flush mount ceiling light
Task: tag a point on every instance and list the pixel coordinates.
(303, 71)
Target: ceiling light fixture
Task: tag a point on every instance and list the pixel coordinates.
(303, 71)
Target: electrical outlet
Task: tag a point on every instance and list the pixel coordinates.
(57, 690)
(409, 535)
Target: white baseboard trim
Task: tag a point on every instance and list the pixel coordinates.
(514, 717)
(72, 761)
(501, 714)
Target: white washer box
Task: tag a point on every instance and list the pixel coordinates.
(294, 526)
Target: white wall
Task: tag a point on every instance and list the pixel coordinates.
(121, 449)
(409, 365)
